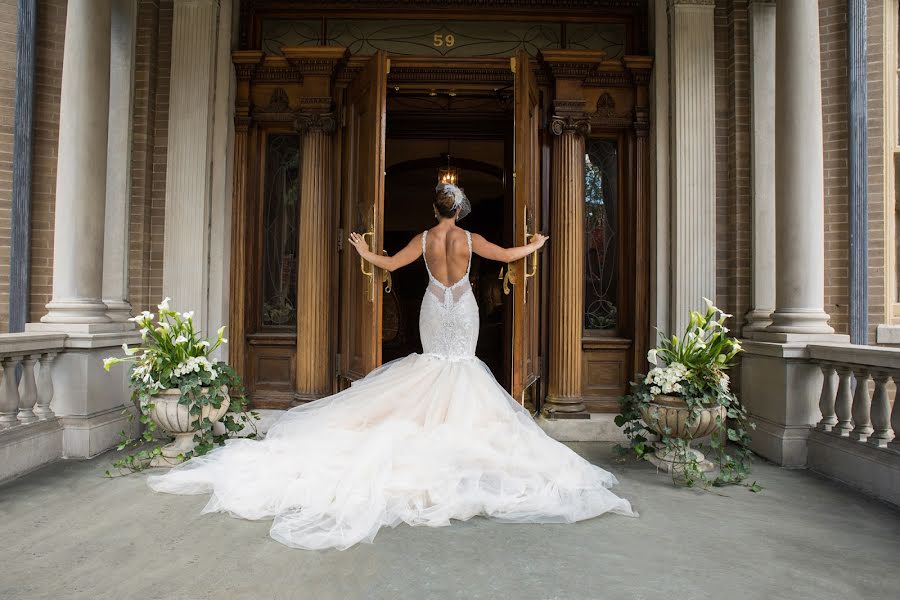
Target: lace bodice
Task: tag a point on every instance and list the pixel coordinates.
(448, 320)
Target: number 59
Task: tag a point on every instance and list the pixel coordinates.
(444, 40)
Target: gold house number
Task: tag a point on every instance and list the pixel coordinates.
(441, 39)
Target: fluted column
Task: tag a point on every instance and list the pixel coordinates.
(81, 168)
(693, 159)
(188, 174)
(314, 373)
(799, 173)
(118, 159)
(245, 63)
(566, 317)
(762, 158)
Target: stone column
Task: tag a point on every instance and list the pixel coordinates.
(762, 156)
(188, 175)
(858, 164)
(693, 157)
(569, 127)
(81, 168)
(316, 251)
(799, 174)
(118, 160)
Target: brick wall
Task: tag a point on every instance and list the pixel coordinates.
(733, 167)
(833, 39)
(875, 64)
(152, 62)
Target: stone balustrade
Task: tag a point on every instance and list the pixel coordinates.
(26, 387)
(856, 401)
(855, 440)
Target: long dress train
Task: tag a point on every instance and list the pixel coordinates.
(422, 439)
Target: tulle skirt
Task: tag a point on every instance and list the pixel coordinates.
(420, 440)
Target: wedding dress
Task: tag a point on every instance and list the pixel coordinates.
(422, 439)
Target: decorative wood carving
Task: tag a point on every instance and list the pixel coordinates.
(314, 121)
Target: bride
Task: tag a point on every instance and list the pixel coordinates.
(422, 439)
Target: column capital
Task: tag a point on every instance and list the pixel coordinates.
(579, 124)
(309, 121)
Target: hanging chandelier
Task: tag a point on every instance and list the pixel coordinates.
(448, 174)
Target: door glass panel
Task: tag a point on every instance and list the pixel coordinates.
(279, 258)
(601, 218)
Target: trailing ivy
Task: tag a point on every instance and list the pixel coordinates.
(175, 356)
(693, 369)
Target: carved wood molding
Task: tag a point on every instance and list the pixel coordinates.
(246, 62)
(571, 64)
(321, 61)
(692, 3)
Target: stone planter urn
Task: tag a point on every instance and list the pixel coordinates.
(673, 412)
(175, 418)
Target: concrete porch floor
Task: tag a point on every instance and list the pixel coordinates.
(69, 532)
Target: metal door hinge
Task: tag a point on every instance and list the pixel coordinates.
(512, 64)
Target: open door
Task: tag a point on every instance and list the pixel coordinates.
(526, 178)
(363, 209)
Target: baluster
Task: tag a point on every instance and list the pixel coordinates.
(826, 400)
(843, 404)
(9, 393)
(895, 418)
(862, 407)
(27, 391)
(881, 412)
(45, 388)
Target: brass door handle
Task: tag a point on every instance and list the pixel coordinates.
(386, 277)
(507, 280)
(362, 261)
(370, 285)
(534, 255)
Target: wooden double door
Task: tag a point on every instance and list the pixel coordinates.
(362, 210)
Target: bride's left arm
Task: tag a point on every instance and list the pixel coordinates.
(411, 252)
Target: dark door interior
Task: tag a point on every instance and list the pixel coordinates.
(418, 145)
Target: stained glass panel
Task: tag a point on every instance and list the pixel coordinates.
(441, 38)
(279, 268)
(601, 218)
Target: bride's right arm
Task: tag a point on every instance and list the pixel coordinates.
(411, 252)
(486, 249)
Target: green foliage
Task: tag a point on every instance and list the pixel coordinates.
(175, 356)
(693, 369)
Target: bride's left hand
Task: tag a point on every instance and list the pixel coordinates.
(359, 242)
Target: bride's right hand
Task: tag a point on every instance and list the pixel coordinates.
(359, 242)
(539, 239)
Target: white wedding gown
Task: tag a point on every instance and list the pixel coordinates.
(422, 439)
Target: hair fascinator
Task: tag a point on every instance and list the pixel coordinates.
(459, 198)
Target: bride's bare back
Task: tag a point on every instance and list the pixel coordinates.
(447, 254)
